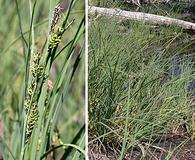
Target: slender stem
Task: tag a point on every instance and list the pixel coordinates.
(31, 41)
(24, 43)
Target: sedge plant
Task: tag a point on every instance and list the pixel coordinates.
(43, 93)
(140, 85)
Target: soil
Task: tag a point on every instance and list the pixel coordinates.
(179, 146)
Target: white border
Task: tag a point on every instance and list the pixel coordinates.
(86, 79)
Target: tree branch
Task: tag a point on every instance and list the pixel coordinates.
(139, 16)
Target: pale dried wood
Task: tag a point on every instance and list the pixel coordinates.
(140, 16)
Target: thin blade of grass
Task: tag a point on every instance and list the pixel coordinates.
(74, 141)
(24, 42)
(61, 146)
(77, 155)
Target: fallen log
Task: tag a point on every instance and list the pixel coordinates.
(140, 16)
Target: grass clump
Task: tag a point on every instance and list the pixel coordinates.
(140, 83)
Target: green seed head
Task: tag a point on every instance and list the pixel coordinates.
(31, 121)
(54, 40)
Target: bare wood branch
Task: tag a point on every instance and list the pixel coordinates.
(140, 16)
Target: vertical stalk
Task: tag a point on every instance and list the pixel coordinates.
(30, 50)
